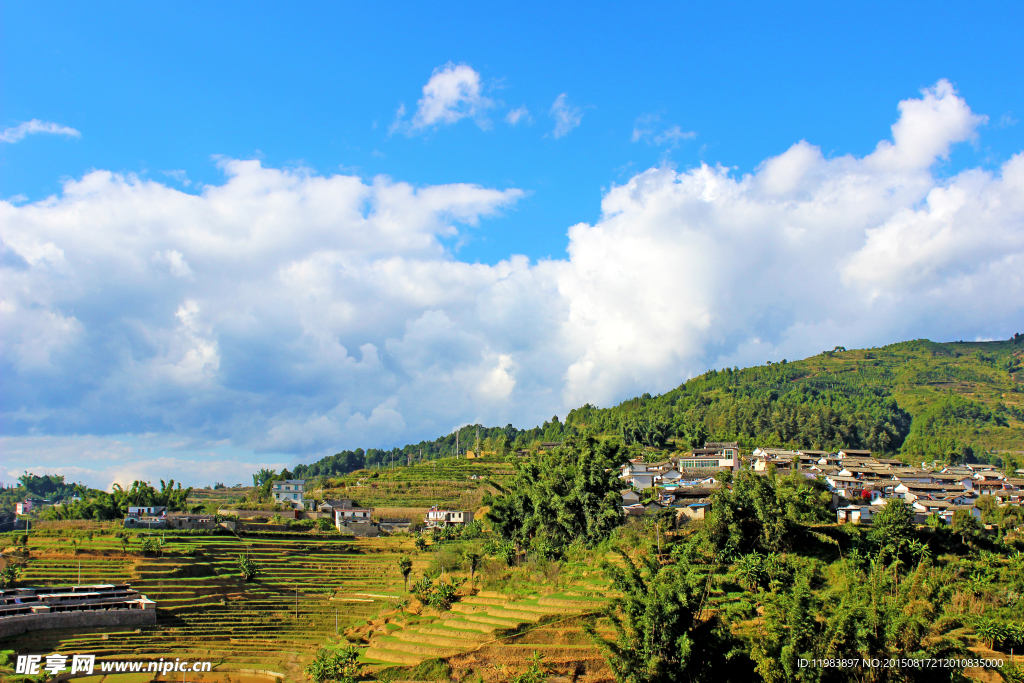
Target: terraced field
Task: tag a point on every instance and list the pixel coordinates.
(308, 593)
(447, 482)
(303, 595)
(475, 620)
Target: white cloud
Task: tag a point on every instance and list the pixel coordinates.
(288, 313)
(647, 128)
(672, 136)
(19, 132)
(101, 462)
(566, 116)
(179, 175)
(453, 93)
(521, 113)
(175, 262)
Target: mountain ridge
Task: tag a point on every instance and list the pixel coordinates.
(917, 399)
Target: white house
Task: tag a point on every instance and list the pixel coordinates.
(670, 476)
(855, 514)
(289, 491)
(845, 486)
(436, 517)
(717, 455)
(639, 478)
(349, 515)
(145, 511)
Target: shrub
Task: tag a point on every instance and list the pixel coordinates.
(340, 666)
(248, 567)
(442, 596)
(9, 576)
(423, 589)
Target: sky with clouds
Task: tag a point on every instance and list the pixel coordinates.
(374, 228)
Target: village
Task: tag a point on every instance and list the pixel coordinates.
(860, 484)
(292, 505)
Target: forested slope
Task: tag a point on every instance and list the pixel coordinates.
(924, 400)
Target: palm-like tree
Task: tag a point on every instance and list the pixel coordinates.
(922, 551)
(405, 566)
(750, 569)
(473, 560)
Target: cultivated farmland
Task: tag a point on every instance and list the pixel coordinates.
(314, 590)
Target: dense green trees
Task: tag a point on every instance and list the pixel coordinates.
(662, 632)
(762, 589)
(894, 525)
(944, 429)
(49, 487)
(100, 505)
(564, 495)
(881, 612)
(763, 513)
(778, 404)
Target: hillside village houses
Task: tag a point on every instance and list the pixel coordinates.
(437, 517)
(860, 483)
(346, 513)
(146, 511)
(289, 491)
(713, 457)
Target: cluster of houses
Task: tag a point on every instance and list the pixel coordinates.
(30, 505)
(158, 517)
(344, 513)
(860, 483)
(684, 483)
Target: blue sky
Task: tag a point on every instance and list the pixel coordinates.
(167, 88)
(356, 317)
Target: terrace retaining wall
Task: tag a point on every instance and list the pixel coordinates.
(12, 626)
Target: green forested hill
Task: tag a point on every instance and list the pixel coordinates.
(923, 400)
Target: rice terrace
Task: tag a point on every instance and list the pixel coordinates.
(316, 588)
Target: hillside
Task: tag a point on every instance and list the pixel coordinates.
(315, 590)
(919, 399)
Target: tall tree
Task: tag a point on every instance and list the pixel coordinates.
(662, 631)
(554, 498)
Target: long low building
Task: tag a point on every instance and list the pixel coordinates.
(72, 607)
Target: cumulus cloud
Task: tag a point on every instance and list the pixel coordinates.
(453, 93)
(19, 132)
(566, 116)
(283, 312)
